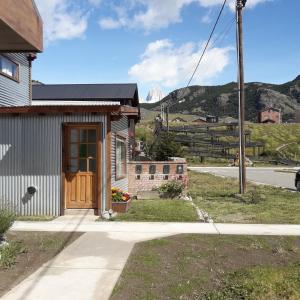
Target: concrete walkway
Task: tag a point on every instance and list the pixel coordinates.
(89, 268)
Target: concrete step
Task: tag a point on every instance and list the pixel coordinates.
(79, 212)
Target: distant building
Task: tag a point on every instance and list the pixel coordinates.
(212, 119)
(178, 120)
(200, 120)
(270, 116)
(207, 119)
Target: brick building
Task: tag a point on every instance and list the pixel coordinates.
(270, 116)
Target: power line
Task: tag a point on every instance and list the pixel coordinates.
(207, 43)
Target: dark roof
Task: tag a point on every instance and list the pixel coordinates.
(85, 92)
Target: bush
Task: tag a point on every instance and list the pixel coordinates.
(163, 147)
(7, 218)
(171, 189)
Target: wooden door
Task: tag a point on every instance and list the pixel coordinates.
(83, 151)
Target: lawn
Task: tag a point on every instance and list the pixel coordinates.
(27, 251)
(263, 204)
(212, 268)
(159, 210)
(277, 135)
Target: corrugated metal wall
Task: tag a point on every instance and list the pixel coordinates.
(14, 93)
(31, 154)
(119, 127)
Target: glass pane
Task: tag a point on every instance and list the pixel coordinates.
(74, 135)
(83, 135)
(92, 150)
(92, 136)
(73, 165)
(93, 165)
(166, 169)
(74, 150)
(82, 165)
(83, 150)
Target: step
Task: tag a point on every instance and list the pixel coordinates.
(80, 212)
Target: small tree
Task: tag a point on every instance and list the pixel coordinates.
(7, 219)
(163, 147)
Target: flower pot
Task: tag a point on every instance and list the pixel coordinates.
(121, 207)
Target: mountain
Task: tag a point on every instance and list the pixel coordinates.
(154, 95)
(222, 100)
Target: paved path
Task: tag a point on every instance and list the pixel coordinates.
(269, 176)
(89, 268)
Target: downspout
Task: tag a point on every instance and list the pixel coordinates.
(30, 57)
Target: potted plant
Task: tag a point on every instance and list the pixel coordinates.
(121, 201)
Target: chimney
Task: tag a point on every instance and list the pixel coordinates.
(30, 57)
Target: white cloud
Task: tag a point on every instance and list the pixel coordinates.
(95, 2)
(155, 14)
(62, 19)
(172, 66)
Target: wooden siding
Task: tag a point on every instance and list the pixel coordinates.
(119, 127)
(13, 93)
(31, 155)
(21, 27)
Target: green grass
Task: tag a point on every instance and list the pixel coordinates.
(35, 218)
(9, 253)
(212, 268)
(159, 210)
(275, 136)
(216, 195)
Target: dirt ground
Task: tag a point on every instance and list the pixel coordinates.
(39, 248)
(212, 267)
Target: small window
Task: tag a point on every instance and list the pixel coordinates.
(152, 169)
(166, 169)
(121, 160)
(138, 169)
(9, 68)
(179, 169)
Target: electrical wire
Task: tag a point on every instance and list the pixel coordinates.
(207, 43)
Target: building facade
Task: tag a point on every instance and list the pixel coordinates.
(62, 147)
(270, 115)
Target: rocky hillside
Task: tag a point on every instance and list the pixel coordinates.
(223, 100)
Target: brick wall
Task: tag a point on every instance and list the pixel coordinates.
(147, 181)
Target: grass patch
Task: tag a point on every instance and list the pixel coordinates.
(262, 204)
(213, 268)
(276, 135)
(159, 210)
(9, 253)
(35, 218)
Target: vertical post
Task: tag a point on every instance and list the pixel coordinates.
(167, 115)
(240, 4)
(30, 57)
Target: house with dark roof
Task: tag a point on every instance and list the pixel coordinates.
(62, 147)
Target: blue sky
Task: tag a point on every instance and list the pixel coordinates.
(157, 43)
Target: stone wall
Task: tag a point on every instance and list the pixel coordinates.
(147, 175)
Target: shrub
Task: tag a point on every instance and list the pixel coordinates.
(163, 147)
(7, 218)
(171, 189)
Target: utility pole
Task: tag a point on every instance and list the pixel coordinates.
(240, 4)
(167, 115)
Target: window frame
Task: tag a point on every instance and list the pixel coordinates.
(123, 139)
(17, 78)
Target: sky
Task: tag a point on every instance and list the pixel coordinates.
(157, 43)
